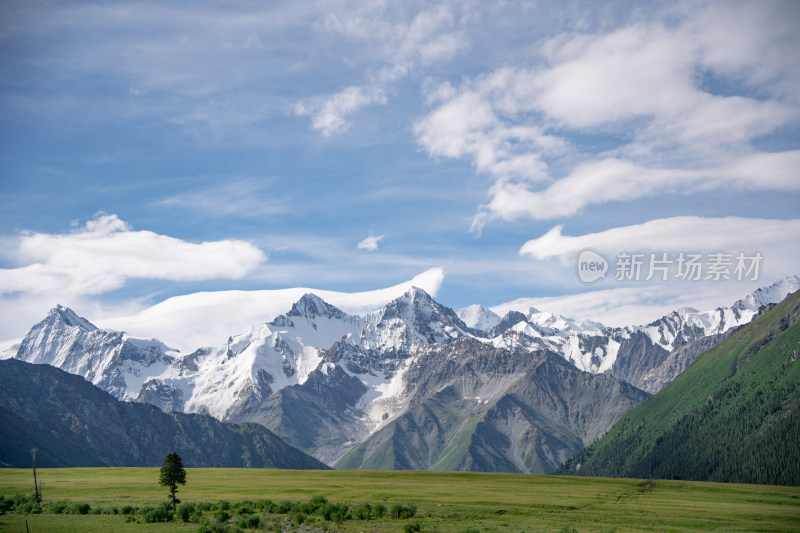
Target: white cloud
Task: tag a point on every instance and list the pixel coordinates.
(431, 36)
(687, 233)
(677, 100)
(370, 244)
(615, 179)
(208, 318)
(106, 253)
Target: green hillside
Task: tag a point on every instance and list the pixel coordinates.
(732, 416)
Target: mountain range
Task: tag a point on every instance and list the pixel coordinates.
(412, 385)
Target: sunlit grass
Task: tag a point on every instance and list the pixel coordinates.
(447, 502)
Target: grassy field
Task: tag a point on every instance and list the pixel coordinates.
(446, 502)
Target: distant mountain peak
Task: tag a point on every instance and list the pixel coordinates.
(312, 306)
(478, 317)
(68, 316)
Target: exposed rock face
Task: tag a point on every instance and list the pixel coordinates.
(490, 409)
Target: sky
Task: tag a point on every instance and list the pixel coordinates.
(172, 160)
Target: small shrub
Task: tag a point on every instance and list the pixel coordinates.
(378, 510)
(264, 505)
(221, 516)
(333, 511)
(57, 507)
(79, 508)
(215, 527)
(400, 510)
(206, 506)
(128, 509)
(412, 527)
(285, 507)
(223, 505)
(186, 511)
(362, 512)
(159, 514)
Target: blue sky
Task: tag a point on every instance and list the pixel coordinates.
(151, 150)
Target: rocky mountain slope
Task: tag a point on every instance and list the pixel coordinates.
(73, 423)
(477, 407)
(732, 416)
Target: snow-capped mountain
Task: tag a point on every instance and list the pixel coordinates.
(113, 361)
(325, 380)
(637, 353)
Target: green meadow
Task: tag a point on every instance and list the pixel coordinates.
(444, 501)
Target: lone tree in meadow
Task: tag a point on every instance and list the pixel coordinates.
(172, 474)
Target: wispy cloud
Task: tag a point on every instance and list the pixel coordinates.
(106, 253)
(370, 244)
(432, 35)
(615, 179)
(248, 197)
(329, 113)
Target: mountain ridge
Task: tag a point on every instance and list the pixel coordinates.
(73, 423)
(299, 362)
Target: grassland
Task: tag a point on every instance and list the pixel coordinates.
(446, 502)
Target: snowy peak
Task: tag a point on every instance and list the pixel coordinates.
(687, 324)
(479, 317)
(312, 306)
(431, 321)
(69, 318)
(772, 294)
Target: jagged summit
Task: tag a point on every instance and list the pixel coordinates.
(69, 317)
(511, 319)
(312, 306)
(429, 319)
